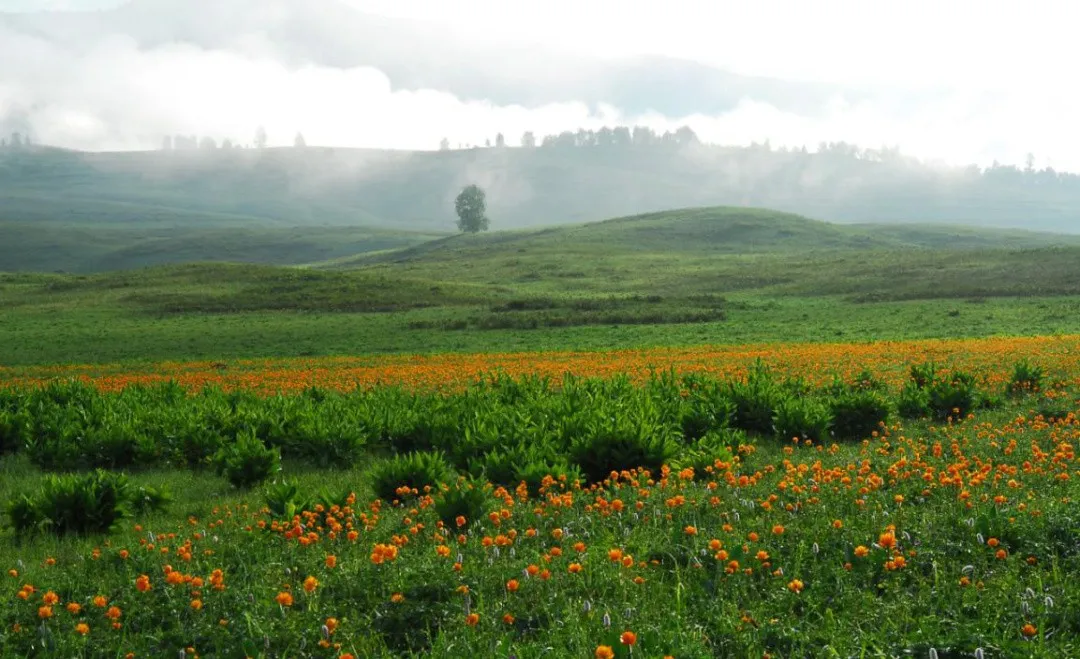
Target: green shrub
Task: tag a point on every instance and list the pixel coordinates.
(702, 455)
(12, 429)
(468, 498)
(706, 410)
(955, 396)
(1026, 378)
(414, 471)
(284, 500)
(146, 499)
(857, 414)
(923, 375)
(913, 402)
(619, 443)
(79, 504)
(247, 462)
(801, 417)
(755, 399)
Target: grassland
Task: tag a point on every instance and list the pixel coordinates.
(838, 497)
(692, 277)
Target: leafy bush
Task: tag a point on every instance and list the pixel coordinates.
(468, 498)
(80, 504)
(619, 443)
(857, 414)
(414, 471)
(706, 410)
(283, 499)
(802, 417)
(702, 455)
(1026, 378)
(923, 375)
(11, 431)
(247, 462)
(955, 396)
(913, 402)
(755, 399)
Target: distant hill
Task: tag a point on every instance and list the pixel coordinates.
(721, 250)
(714, 230)
(526, 187)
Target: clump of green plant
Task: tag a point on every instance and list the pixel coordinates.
(283, 499)
(75, 504)
(465, 498)
(622, 441)
(706, 408)
(802, 418)
(928, 393)
(857, 413)
(702, 455)
(755, 400)
(147, 499)
(1026, 378)
(954, 396)
(247, 462)
(11, 431)
(412, 471)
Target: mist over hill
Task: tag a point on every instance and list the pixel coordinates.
(568, 178)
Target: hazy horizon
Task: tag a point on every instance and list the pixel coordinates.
(967, 87)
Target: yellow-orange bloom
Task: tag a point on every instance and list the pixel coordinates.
(310, 584)
(628, 638)
(284, 599)
(82, 628)
(795, 586)
(331, 561)
(472, 619)
(604, 652)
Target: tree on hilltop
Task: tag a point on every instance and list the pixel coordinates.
(471, 207)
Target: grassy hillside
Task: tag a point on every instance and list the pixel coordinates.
(51, 246)
(688, 277)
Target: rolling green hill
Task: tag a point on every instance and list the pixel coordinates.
(526, 187)
(706, 275)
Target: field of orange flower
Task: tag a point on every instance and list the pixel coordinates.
(817, 362)
(850, 501)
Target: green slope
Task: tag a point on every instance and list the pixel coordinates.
(81, 248)
(689, 276)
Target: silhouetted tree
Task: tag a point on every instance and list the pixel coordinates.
(500, 141)
(471, 207)
(299, 142)
(207, 143)
(444, 144)
(166, 144)
(528, 140)
(16, 139)
(226, 144)
(260, 138)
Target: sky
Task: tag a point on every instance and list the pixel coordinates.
(950, 80)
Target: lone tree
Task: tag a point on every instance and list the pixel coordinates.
(471, 210)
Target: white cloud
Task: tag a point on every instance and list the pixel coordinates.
(115, 95)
